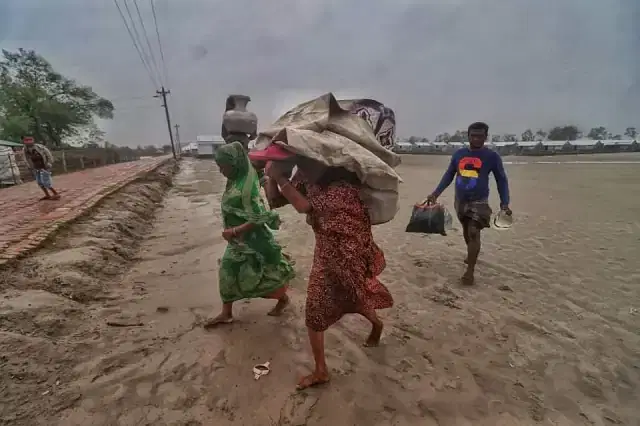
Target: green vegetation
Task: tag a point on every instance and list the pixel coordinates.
(36, 100)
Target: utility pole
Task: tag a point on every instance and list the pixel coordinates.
(177, 126)
(163, 93)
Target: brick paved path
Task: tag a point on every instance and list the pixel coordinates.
(25, 221)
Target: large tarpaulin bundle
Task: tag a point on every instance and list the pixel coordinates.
(325, 130)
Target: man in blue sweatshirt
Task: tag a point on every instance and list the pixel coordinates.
(471, 167)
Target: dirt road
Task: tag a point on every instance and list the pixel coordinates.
(548, 335)
(171, 371)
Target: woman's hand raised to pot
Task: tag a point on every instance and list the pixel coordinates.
(276, 170)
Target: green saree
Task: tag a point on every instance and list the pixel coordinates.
(252, 265)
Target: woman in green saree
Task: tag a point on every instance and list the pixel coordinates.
(252, 265)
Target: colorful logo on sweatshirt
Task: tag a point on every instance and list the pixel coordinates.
(468, 172)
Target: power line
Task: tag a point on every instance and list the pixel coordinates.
(146, 67)
(146, 37)
(130, 98)
(137, 37)
(118, 110)
(164, 92)
(155, 21)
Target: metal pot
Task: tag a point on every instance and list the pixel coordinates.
(237, 121)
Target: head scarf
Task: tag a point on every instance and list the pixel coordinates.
(242, 197)
(235, 156)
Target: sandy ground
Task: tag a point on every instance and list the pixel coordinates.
(549, 335)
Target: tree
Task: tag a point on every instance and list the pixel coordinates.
(617, 137)
(96, 135)
(145, 151)
(564, 133)
(37, 100)
(90, 136)
(460, 136)
(509, 137)
(496, 138)
(631, 132)
(527, 135)
(413, 140)
(541, 135)
(455, 137)
(598, 133)
(443, 137)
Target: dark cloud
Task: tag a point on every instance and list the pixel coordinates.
(439, 64)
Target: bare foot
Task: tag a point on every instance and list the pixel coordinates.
(313, 380)
(374, 338)
(46, 197)
(220, 319)
(467, 278)
(56, 197)
(277, 310)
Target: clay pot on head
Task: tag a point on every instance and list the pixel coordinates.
(236, 118)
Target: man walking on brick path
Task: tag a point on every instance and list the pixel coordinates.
(40, 161)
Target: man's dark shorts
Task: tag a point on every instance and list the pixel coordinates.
(478, 211)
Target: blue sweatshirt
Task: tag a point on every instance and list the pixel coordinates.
(471, 170)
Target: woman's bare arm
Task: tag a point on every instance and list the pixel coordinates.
(274, 197)
(293, 196)
(245, 227)
(278, 186)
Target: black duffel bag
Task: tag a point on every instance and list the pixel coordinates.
(428, 219)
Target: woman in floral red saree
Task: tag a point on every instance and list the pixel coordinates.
(347, 261)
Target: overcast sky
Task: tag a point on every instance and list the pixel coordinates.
(440, 64)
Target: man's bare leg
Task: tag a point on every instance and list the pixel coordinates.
(56, 196)
(47, 196)
(465, 234)
(473, 250)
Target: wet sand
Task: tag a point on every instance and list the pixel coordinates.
(549, 334)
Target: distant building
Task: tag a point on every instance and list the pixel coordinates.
(207, 145)
(582, 146)
(558, 146)
(585, 146)
(504, 148)
(402, 147)
(619, 145)
(423, 147)
(440, 146)
(189, 149)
